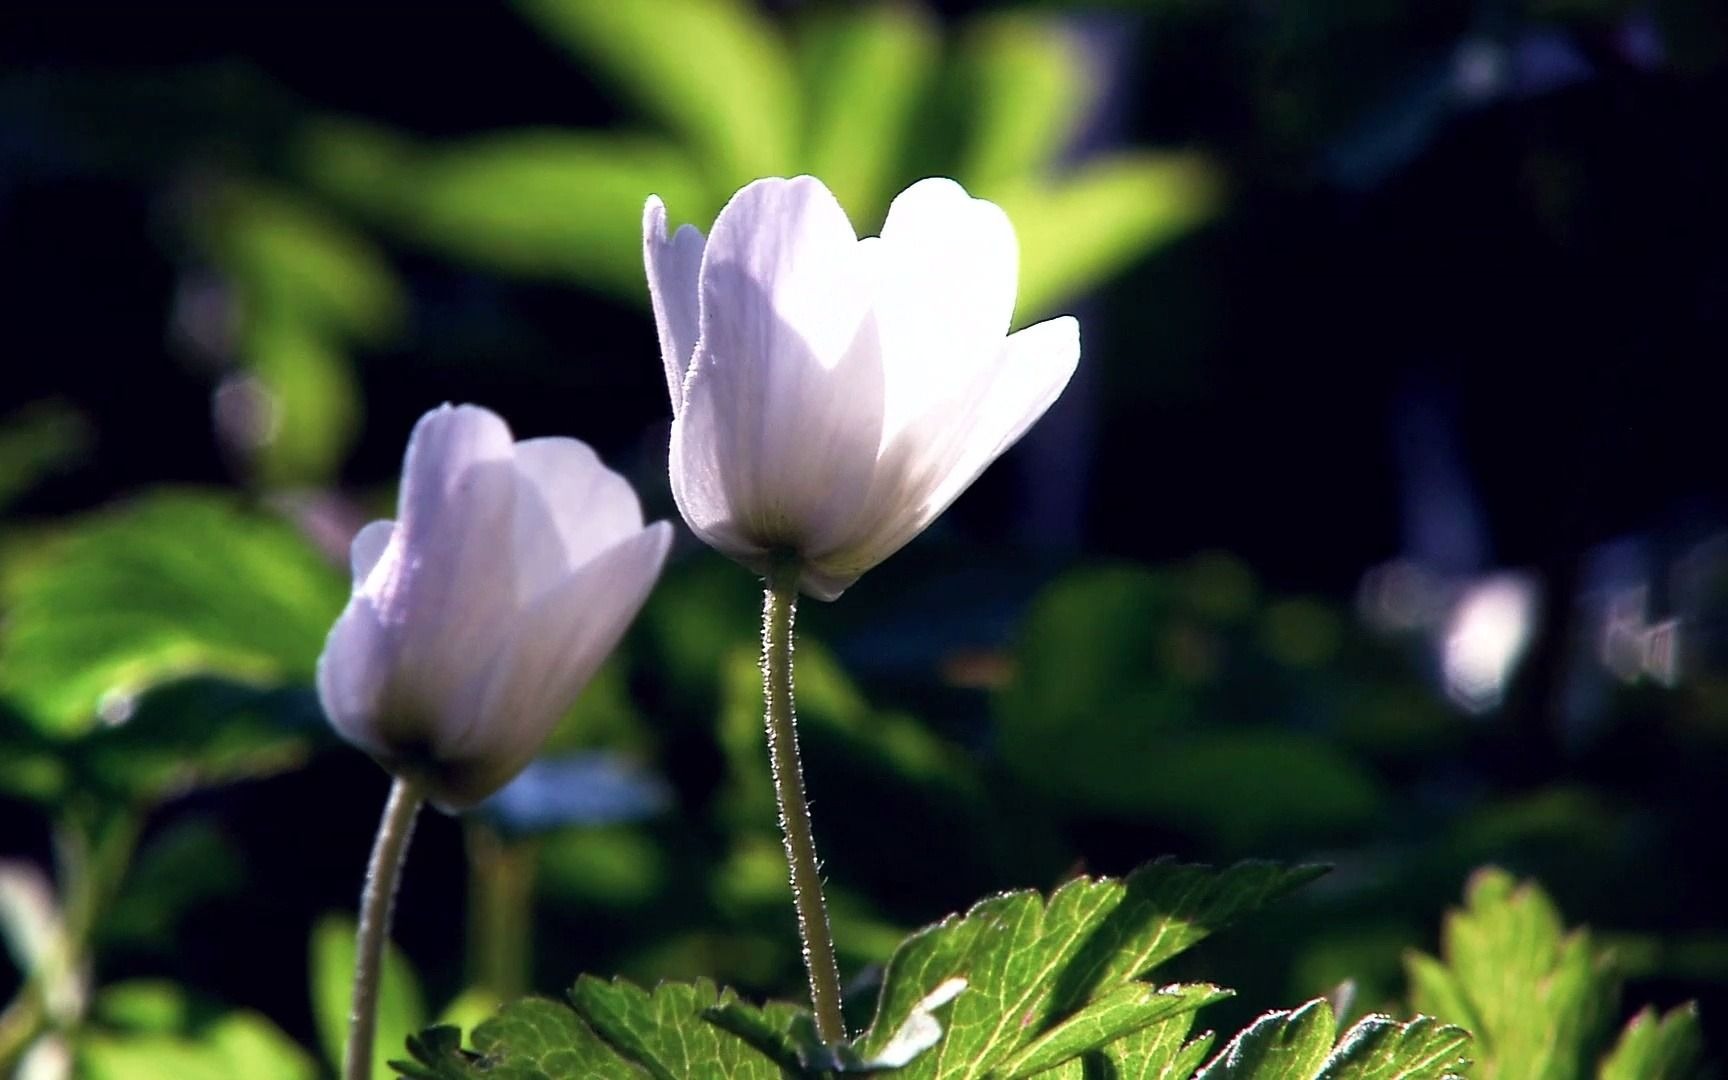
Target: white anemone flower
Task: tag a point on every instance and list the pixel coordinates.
(480, 613)
(830, 395)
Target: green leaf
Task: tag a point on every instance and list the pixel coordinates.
(173, 585)
(237, 1044)
(1536, 997)
(1380, 1048)
(865, 72)
(530, 1039)
(1296, 1044)
(667, 1031)
(541, 203)
(1287, 1045)
(1030, 965)
(307, 287)
(714, 72)
(1123, 1011)
(1078, 231)
(1669, 1047)
(401, 1007)
(1026, 86)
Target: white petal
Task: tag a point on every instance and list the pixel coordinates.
(569, 507)
(555, 648)
(353, 671)
(368, 547)
(942, 453)
(782, 413)
(445, 585)
(951, 268)
(674, 264)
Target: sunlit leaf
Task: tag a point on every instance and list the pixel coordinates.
(401, 1006)
(1025, 82)
(715, 72)
(173, 585)
(865, 70)
(1657, 1047)
(1081, 229)
(544, 203)
(1537, 997)
(1031, 965)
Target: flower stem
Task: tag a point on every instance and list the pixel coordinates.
(779, 602)
(377, 901)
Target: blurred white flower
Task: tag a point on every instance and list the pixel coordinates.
(480, 613)
(830, 395)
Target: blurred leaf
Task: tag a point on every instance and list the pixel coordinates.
(865, 70)
(239, 1044)
(1669, 1047)
(715, 72)
(401, 1006)
(617, 867)
(1536, 997)
(542, 203)
(1119, 706)
(1026, 83)
(1076, 231)
(36, 441)
(289, 256)
(1032, 965)
(189, 862)
(307, 287)
(172, 585)
(1296, 1044)
(199, 733)
(143, 1005)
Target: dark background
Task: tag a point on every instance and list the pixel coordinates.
(1463, 304)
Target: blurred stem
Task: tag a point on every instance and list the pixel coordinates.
(377, 902)
(501, 875)
(779, 603)
(93, 848)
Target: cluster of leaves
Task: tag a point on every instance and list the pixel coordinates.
(1028, 987)
(1019, 986)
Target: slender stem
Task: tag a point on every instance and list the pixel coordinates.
(377, 901)
(779, 602)
(501, 872)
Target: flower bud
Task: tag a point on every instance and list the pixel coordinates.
(480, 613)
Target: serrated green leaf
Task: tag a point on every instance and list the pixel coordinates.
(1031, 964)
(1290, 1044)
(667, 1030)
(401, 1006)
(1536, 998)
(715, 72)
(1380, 1048)
(538, 1039)
(1651, 1048)
(540, 203)
(865, 70)
(1077, 231)
(1121, 1012)
(173, 585)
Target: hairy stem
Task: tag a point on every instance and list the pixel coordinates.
(377, 901)
(779, 602)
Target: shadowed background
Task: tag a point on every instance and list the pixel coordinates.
(1384, 524)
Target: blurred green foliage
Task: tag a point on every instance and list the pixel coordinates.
(155, 653)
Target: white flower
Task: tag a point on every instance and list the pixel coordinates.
(478, 615)
(830, 395)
